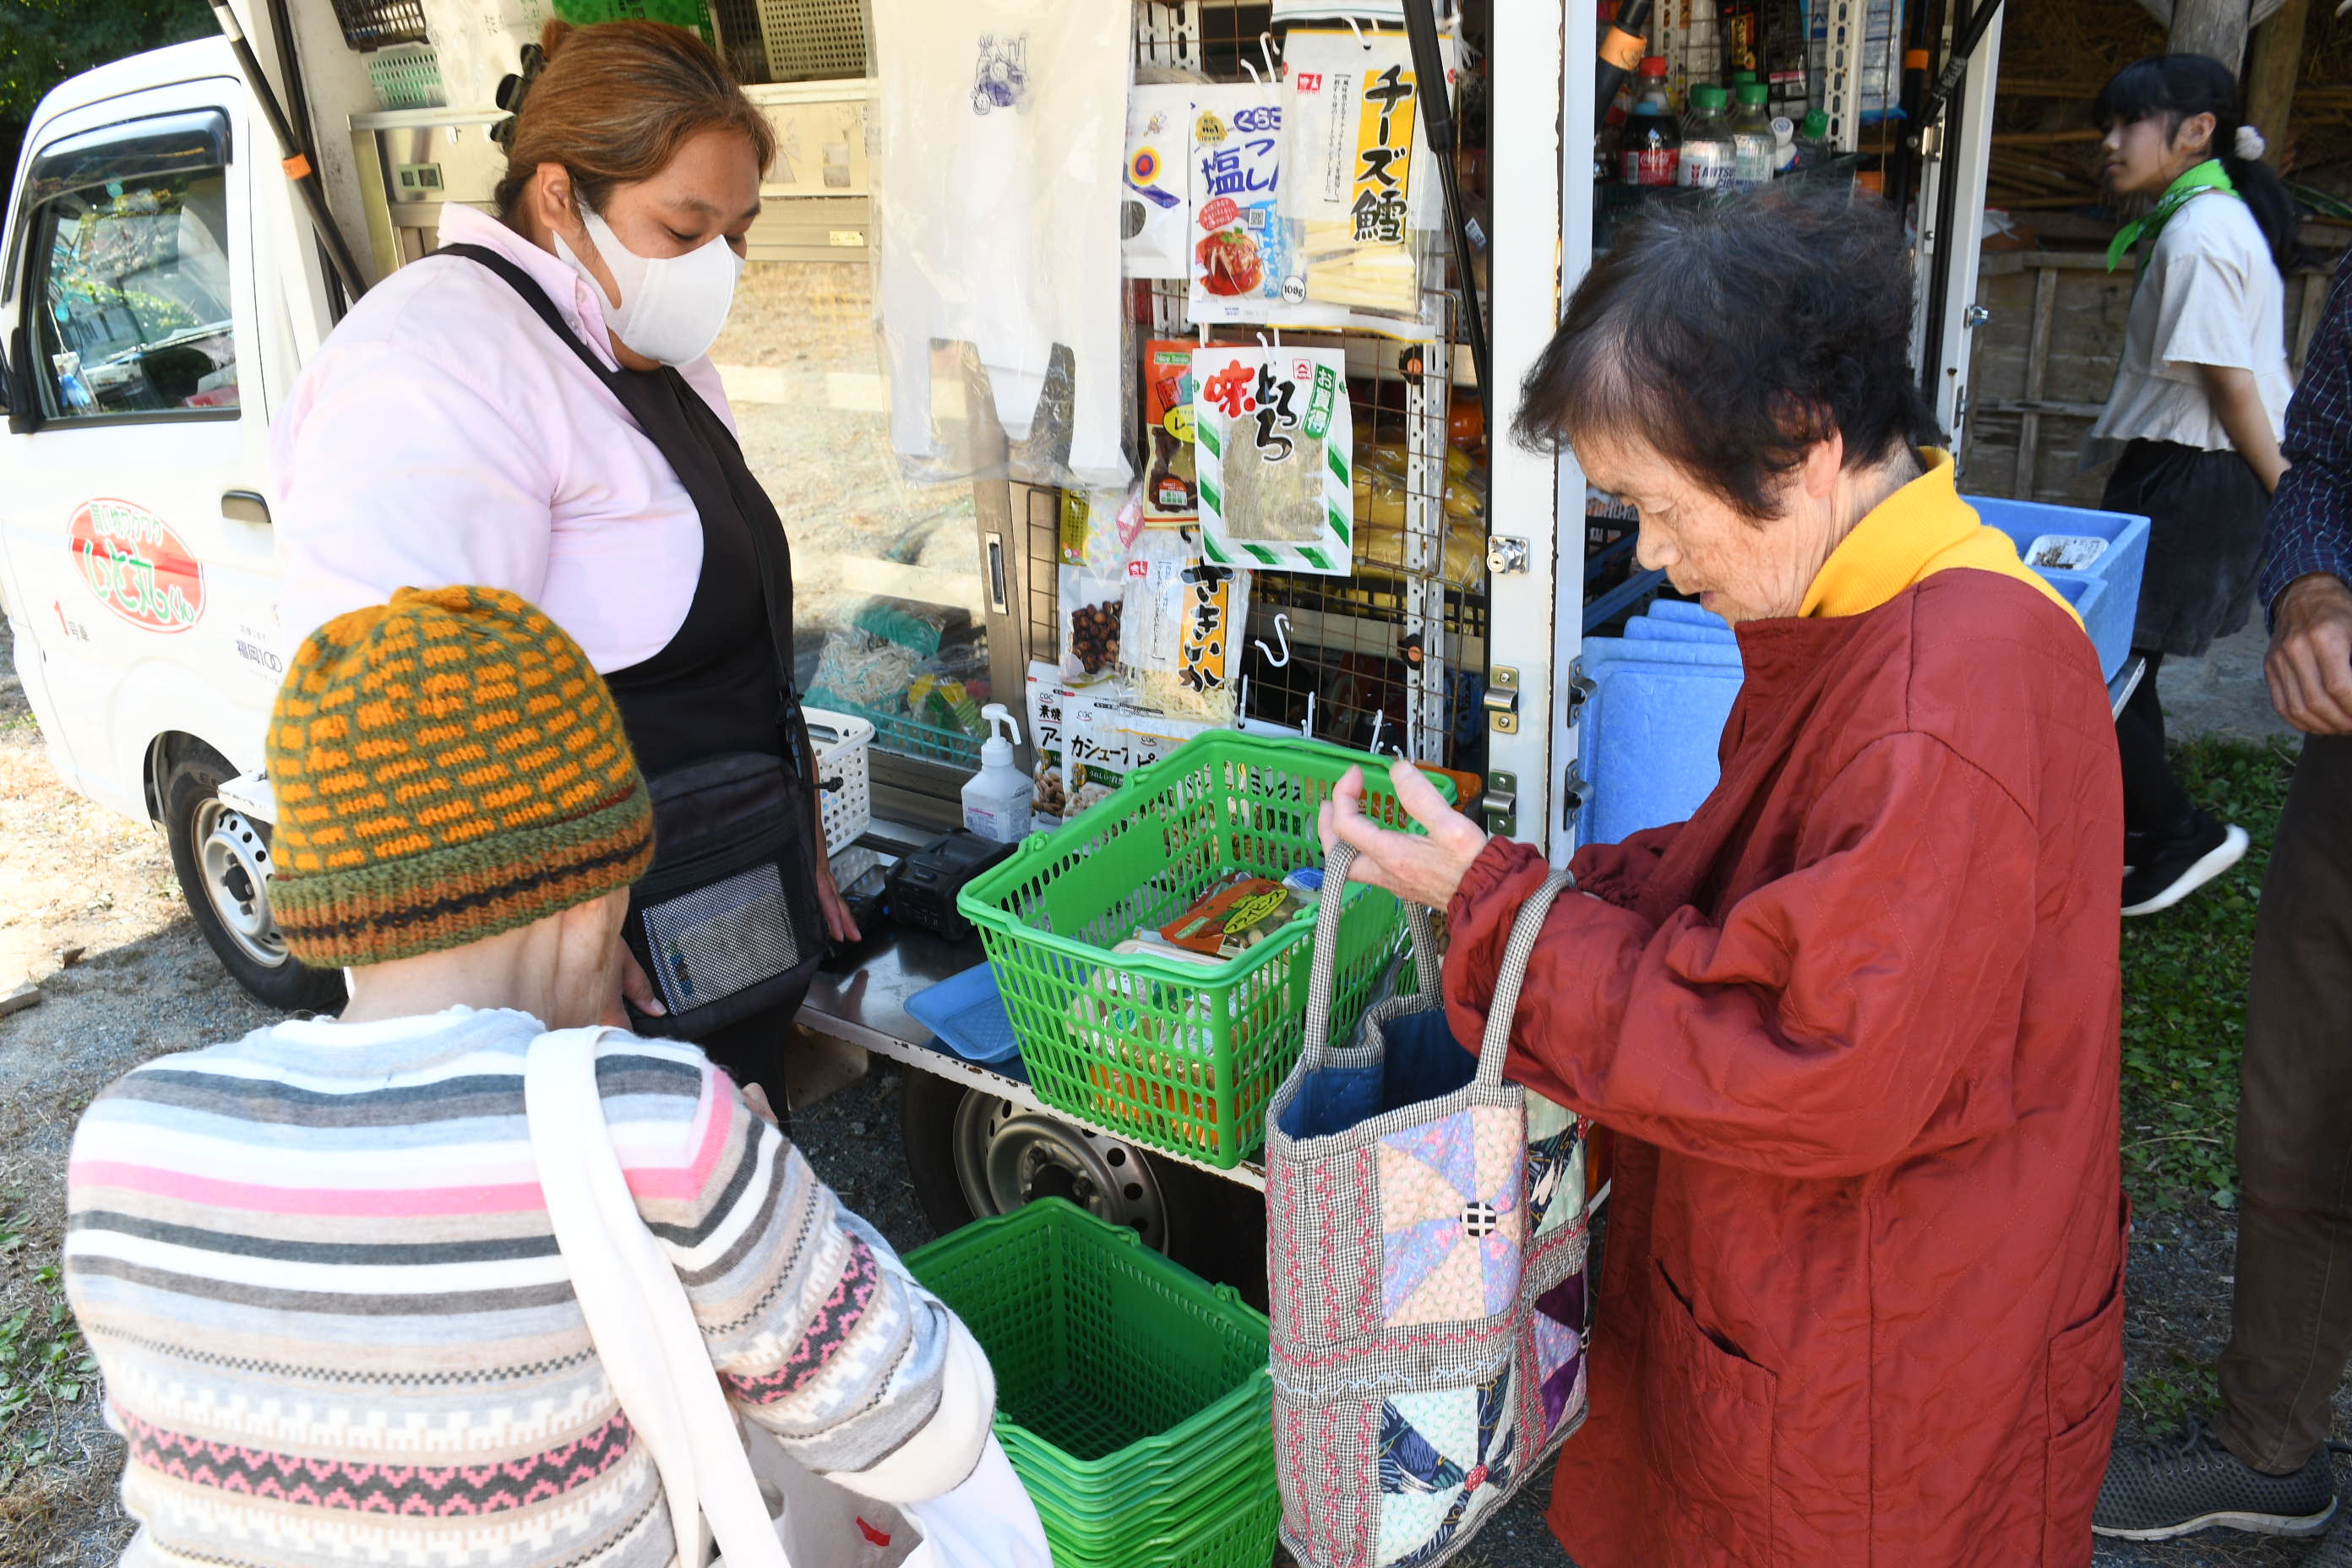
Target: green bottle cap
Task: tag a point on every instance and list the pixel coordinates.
(1741, 79)
(1816, 126)
(1706, 94)
(1752, 94)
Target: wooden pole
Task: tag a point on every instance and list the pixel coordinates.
(2276, 62)
(2213, 27)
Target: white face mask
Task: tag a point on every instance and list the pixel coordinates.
(672, 307)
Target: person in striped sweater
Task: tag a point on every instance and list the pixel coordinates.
(315, 1264)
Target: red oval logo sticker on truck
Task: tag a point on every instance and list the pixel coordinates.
(137, 565)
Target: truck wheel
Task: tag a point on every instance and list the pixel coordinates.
(222, 858)
(970, 1155)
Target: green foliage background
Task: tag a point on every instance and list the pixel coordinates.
(42, 42)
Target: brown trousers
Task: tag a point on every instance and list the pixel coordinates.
(2291, 1323)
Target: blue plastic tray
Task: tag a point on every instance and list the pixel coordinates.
(2111, 607)
(967, 1015)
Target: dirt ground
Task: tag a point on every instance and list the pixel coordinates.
(90, 910)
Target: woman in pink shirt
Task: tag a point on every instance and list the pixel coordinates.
(533, 408)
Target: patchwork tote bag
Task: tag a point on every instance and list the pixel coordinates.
(1425, 1239)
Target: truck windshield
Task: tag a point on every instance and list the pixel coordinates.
(135, 276)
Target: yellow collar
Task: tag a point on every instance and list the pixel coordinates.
(1920, 530)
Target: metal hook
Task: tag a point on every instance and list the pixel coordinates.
(1307, 730)
(1379, 717)
(1282, 636)
(1253, 77)
(1357, 27)
(1265, 53)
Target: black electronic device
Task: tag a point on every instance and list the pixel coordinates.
(924, 885)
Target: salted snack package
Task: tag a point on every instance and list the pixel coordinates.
(1276, 458)
(1244, 256)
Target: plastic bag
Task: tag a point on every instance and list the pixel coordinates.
(1001, 130)
(1276, 458)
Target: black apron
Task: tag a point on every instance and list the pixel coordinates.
(727, 923)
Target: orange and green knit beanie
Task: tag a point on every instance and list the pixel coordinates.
(447, 766)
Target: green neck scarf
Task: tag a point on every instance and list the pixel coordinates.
(2207, 175)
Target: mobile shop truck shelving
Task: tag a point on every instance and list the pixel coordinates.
(164, 283)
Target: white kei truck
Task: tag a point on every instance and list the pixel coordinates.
(184, 227)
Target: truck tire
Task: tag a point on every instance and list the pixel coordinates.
(971, 1154)
(221, 857)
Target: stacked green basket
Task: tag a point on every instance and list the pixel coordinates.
(1132, 1396)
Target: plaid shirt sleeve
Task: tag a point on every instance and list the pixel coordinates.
(2311, 516)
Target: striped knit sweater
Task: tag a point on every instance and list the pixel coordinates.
(317, 1271)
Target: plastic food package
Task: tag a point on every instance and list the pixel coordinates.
(1243, 250)
(1276, 458)
(1356, 146)
(1171, 482)
(858, 670)
(1155, 206)
(1236, 918)
(1178, 629)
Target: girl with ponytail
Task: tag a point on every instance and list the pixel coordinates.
(2194, 417)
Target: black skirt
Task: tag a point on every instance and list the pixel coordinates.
(2206, 513)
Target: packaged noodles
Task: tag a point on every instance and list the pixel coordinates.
(1276, 458)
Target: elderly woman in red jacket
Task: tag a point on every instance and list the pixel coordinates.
(1854, 1023)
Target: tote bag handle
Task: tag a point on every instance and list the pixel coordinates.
(1494, 1045)
(1323, 973)
(638, 1315)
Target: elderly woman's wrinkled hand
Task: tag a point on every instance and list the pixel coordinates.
(1426, 868)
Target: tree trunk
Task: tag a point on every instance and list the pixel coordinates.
(2212, 27)
(2270, 75)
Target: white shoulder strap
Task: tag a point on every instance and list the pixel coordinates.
(639, 1314)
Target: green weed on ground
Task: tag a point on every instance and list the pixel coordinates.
(2185, 975)
(44, 1364)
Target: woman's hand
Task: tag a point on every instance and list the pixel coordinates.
(1428, 871)
(630, 985)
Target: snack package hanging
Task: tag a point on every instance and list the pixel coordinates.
(1359, 177)
(1244, 256)
(1155, 209)
(1276, 458)
(1171, 482)
(1097, 528)
(1178, 628)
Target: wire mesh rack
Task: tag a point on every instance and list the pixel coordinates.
(1391, 657)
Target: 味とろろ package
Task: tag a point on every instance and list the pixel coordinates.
(1276, 458)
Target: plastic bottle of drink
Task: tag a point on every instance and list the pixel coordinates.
(1650, 151)
(1706, 152)
(1813, 147)
(1751, 139)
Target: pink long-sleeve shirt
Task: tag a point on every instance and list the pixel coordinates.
(443, 435)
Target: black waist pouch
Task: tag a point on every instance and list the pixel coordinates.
(727, 923)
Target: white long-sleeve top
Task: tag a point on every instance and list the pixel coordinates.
(444, 435)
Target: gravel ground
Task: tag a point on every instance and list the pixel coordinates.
(89, 909)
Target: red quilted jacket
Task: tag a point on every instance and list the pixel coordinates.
(1854, 1026)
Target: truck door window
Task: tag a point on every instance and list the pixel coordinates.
(132, 279)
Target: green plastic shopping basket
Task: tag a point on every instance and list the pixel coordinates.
(1171, 1055)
